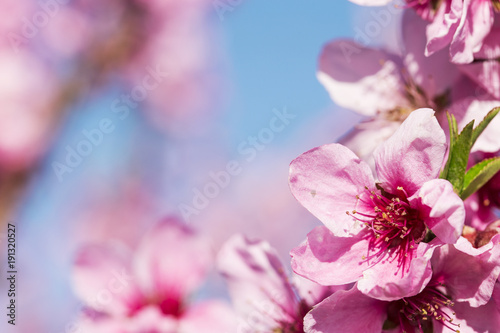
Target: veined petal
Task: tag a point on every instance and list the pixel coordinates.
(384, 281)
(326, 181)
(441, 209)
(331, 260)
(413, 155)
(260, 290)
(346, 311)
(361, 79)
(172, 261)
(468, 278)
(103, 279)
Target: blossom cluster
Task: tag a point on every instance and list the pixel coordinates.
(408, 199)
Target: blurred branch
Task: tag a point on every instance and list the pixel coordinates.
(91, 71)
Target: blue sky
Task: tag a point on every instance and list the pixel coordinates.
(272, 49)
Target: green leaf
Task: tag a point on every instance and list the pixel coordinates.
(479, 175)
(458, 157)
(482, 125)
(452, 124)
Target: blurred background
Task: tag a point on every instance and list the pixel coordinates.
(116, 114)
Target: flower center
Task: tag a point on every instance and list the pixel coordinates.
(419, 311)
(393, 225)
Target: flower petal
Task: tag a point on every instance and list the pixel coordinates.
(330, 260)
(366, 136)
(433, 74)
(446, 21)
(384, 281)
(326, 181)
(208, 317)
(313, 293)
(413, 155)
(441, 209)
(476, 22)
(468, 278)
(475, 109)
(260, 290)
(102, 279)
(172, 261)
(361, 79)
(346, 311)
(486, 74)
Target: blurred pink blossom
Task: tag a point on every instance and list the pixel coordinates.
(266, 300)
(27, 87)
(148, 290)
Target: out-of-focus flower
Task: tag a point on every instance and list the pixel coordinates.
(386, 87)
(27, 87)
(485, 69)
(460, 296)
(463, 25)
(148, 290)
(381, 238)
(264, 297)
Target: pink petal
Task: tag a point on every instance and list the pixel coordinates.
(330, 260)
(468, 278)
(441, 209)
(482, 319)
(486, 73)
(313, 293)
(413, 155)
(326, 180)
(148, 319)
(384, 281)
(446, 21)
(476, 22)
(172, 261)
(433, 74)
(208, 317)
(256, 279)
(102, 278)
(361, 79)
(346, 311)
(366, 136)
(475, 109)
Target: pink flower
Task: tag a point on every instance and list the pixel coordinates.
(485, 70)
(27, 86)
(149, 290)
(458, 297)
(386, 87)
(461, 24)
(265, 298)
(381, 238)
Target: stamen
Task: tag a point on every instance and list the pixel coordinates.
(394, 226)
